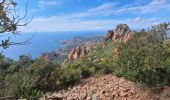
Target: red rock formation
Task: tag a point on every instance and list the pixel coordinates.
(108, 35)
(73, 54)
(77, 53)
(122, 32)
(83, 52)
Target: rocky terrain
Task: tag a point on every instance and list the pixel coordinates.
(109, 87)
(80, 51)
(80, 46)
(121, 32)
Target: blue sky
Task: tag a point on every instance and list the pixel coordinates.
(82, 15)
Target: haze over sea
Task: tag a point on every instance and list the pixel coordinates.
(42, 42)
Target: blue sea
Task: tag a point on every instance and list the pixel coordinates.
(41, 42)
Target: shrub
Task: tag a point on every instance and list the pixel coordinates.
(29, 79)
(69, 78)
(143, 58)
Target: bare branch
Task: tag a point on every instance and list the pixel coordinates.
(10, 21)
(2, 2)
(6, 43)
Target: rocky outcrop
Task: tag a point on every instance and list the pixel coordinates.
(122, 32)
(108, 35)
(110, 87)
(80, 51)
(77, 53)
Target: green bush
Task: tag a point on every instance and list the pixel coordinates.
(143, 59)
(28, 79)
(69, 78)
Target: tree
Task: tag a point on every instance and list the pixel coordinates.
(10, 21)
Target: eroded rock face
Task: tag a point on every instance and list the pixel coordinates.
(108, 35)
(122, 31)
(77, 53)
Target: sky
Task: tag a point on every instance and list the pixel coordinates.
(83, 15)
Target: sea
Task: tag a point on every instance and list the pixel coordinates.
(40, 42)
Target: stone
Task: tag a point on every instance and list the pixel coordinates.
(69, 88)
(94, 97)
(108, 87)
(58, 95)
(49, 94)
(83, 95)
(70, 98)
(88, 98)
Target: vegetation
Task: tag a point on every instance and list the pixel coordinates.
(145, 59)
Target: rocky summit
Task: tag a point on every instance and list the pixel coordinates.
(109, 87)
(122, 32)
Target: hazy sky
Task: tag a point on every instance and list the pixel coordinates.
(79, 15)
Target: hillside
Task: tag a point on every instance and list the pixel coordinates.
(109, 87)
(117, 50)
(124, 65)
(122, 53)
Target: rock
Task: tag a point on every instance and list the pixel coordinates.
(74, 89)
(122, 32)
(108, 35)
(48, 94)
(94, 97)
(83, 52)
(77, 53)
(71, 55)
(58, 96)
(88, 98)
(70, 98)
(69, 88)
(110, 87)
(83, 95)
